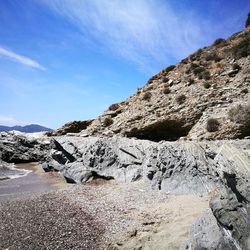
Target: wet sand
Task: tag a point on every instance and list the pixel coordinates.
(36, 181)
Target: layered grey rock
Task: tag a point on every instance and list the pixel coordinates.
(183, 167)
(220, 167)
(20, 147)
(205, 233)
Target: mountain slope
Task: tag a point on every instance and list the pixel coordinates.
(26, 129)
(205, 96)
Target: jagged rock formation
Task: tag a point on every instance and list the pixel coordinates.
(179, 101)
(19, 148)
(221, 167)
(71, 127)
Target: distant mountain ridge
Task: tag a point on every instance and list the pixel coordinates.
(32, 128)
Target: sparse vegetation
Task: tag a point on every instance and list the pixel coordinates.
(212, 56)
(204, 75)
(236, 66)
(242, 47)
(166, 90)
(146, 96)
(244, 91)
(240, 114)
(107, 121)
(212, 125)
(219, 41)
(206, 85)
(165, 79)
(189, 80)
(198, 70)
(155, 77)
(114, 107)
(168, 69)
(184, 61)
(180, 99)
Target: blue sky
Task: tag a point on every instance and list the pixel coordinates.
(64, 60)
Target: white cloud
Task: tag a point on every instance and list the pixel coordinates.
(145, 32)
(21, 59)
(7, 120)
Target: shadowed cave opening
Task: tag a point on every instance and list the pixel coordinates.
(170, 130)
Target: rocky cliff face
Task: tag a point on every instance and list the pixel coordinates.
(199, 98)
(197, 103)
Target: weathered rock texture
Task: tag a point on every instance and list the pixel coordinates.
(19, 147)
(71, 127)
(219, 167)
(180, 100)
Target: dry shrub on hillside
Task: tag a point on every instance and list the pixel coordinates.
(180, 99)
(240, 114)
(204, 75)
(168, 69)
(220, 41)
(242, 47)
(236, 66)
(155, 77)
(114, 107)
(166, 90)
(212, 56)
(212, 125)
(147, 96)
(107, 121)
(165, 79)
(198, 70)
(244, 91)
(206, 85)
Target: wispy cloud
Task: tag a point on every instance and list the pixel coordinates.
(21, 59)
(8, 120)
(141, 31)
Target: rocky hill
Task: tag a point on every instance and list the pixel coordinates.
(205, 96)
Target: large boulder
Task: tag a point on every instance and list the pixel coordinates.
(20, 147)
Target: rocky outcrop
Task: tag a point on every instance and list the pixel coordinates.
(71, 127)
(181, 99)
(219, 167)
(206, 234)
(19, 147)
(171, 167)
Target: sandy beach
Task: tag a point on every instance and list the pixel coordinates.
(98, 215)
